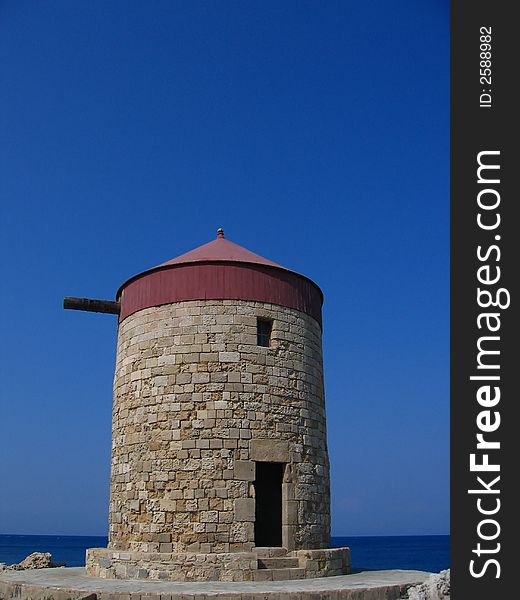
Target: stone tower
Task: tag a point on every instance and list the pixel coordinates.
(219, 452)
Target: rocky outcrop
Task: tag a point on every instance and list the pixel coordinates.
(36, 560)
(436, 587)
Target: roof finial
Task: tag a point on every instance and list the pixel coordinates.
(220, 233)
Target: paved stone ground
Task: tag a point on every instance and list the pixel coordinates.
(64, 583)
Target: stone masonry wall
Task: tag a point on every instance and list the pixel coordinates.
(233, 566)
(196, 403)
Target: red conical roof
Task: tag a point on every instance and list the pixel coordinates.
(220, 250)
(219, 270)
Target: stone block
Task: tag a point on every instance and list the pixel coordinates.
(245, 470)
(263, 575)
(289, 536)
(245, 509)
(290, 512)
(229, 356)
(269, 450)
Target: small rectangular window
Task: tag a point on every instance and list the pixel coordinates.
(263, 332)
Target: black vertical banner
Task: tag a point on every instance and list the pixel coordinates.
(485, 258)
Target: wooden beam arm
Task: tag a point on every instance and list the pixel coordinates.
(88, 304)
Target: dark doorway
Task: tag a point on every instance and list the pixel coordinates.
(268, 514)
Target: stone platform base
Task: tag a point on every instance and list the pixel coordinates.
(262, 564)
(73, 584)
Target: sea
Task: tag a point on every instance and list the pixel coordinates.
(418, 552)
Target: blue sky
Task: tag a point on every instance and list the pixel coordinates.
(316, 134)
